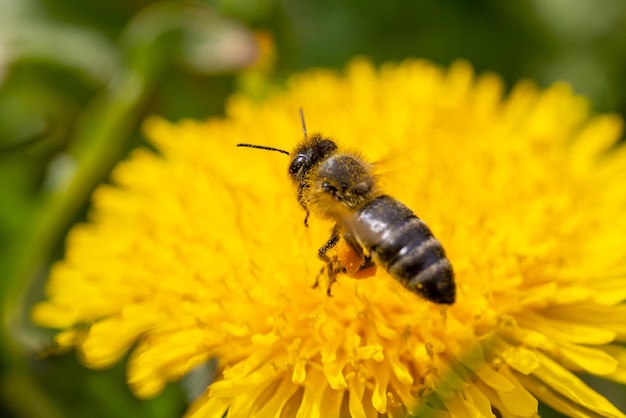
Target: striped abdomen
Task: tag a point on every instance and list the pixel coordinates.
(403, 244)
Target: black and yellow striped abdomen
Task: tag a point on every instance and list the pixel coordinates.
(401, 243)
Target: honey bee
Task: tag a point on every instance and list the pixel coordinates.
(341, 186)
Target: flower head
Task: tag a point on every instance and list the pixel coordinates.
(200, 251)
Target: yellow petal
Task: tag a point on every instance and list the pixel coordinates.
(459, 407)
(379, 392)
(108, 341)
(355, 404)
(207, 406)
(557, 380)
(479, 400)
(597, 137)
(517, 400)
(619, 354)
(592, 360)
(519, 357)
(247, 405)
(313, 394)
(331, 402)
(54, 316)
(494, 379)
(567, 406)
(612, 318)
(566, 330)
(273, 406)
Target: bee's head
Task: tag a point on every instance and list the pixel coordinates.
(308, 154)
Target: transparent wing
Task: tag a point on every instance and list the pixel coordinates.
(397, 171)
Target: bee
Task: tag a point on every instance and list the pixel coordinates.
(341, 186)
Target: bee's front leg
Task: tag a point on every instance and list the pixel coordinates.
(332, 264)
(301, 189)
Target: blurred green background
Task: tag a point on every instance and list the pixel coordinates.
(78, 77)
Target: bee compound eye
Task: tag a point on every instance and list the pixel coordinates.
(296, 164)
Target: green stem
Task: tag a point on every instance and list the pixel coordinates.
(152, 39)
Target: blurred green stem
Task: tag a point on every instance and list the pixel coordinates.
(151, 41)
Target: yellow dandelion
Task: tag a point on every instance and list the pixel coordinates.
(200, 252)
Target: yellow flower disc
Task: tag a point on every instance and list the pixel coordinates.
(200, 251)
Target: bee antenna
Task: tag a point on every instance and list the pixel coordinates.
(263, 147)
(303, 124)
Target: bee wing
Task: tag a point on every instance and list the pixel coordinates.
(396, 171)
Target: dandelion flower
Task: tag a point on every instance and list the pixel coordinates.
(199, 251)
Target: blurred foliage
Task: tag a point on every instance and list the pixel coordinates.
(77, 78)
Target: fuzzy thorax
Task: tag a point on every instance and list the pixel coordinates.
(340, 185)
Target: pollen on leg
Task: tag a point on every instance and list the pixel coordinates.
(353, 262)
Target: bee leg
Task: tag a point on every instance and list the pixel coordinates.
(301, 189)
(317, 278)
(338, 268)
(367, 263)
(332, 265)
(366, 260)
